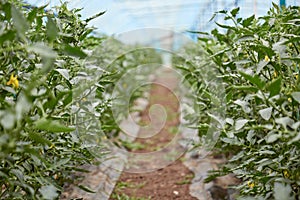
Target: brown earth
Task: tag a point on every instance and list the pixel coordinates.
(172, 181)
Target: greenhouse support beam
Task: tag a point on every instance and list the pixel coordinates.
(282, 3)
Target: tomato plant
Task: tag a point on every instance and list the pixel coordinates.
(258, 62)
(55, 96)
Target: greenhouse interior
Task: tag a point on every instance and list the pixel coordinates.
(150, 100)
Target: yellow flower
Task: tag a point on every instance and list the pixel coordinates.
(55, 176)
(267, 59)
(251, 184)
(275, 74)
(13, 81)
(286, 173)
(290, 99)
(52, 146)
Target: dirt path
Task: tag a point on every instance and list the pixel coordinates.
(155, 166)
(166, 183)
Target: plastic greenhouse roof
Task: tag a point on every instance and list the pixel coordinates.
(179, 15)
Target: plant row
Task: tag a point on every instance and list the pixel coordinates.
(56, 81)
(250, 99)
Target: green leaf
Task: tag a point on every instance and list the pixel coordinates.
(266, 113)
(280, 48)
(261, 65)
(268, 152)
(18, 173)
(272, 137)
(263, 162)
(6, 8)
(3, 175)
(74, 51)
(51, 29)
(20, 22)
(296, 59)
(245, 87)
(250, 137)
(49, 192)
(282, 191)
(222, 11)
(32, 15)
(244, 105)
(61, 163)
(253, 198)
(235, 11)
(68, 99)
(240, 124)
(52, 126)
(183, 68)
(85, 188)
(95, 16)
(213, 16)
(276, 6)
(8, 36)
(39, 138)
(230, 134)
(285, 121)
(246, 22)
(254, 80)
(225, 26)
(198, 32)
(232, 141)
(64, 73)
(221, 52)
(274, 87)
(296, 96)
(244, 38)
(238, 156)
(217, 118)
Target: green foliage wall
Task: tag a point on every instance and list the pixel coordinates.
(50, 124)
(258, 63)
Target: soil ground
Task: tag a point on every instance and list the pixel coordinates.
(172, 181)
